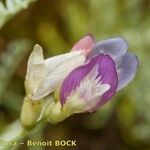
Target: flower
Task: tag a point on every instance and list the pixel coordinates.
(109, 68)
(82, 80)
(44, 76)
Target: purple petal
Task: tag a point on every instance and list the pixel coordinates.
(106, 69)
(75, 77)
(126, 69)
(114, 47)
(109, 76)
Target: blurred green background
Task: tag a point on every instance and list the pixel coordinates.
(122, 124)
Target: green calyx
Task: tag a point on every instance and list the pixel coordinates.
(30, 112)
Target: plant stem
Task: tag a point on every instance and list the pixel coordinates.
(17, 140)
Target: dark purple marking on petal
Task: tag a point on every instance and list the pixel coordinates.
(114, 47)
(106, 69)
(126, 69)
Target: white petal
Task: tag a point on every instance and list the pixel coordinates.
(58, 68)
(90, 88)
(95, 100)
(36, 69)
(53, 62)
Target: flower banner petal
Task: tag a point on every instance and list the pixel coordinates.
(126, 69)
(114, 47)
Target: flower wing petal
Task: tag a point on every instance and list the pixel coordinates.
(106, 72)
(109, 76)
(126, 69)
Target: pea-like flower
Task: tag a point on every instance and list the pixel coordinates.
(83, 80)
(109, 68)
(44, 76)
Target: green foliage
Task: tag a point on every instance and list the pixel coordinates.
(16, 49)
(11, 8)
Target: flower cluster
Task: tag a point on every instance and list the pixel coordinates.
(82, 80)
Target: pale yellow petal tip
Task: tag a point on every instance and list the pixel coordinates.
(37, 47)
(37, 54)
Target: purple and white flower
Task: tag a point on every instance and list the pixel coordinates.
(108, 68)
